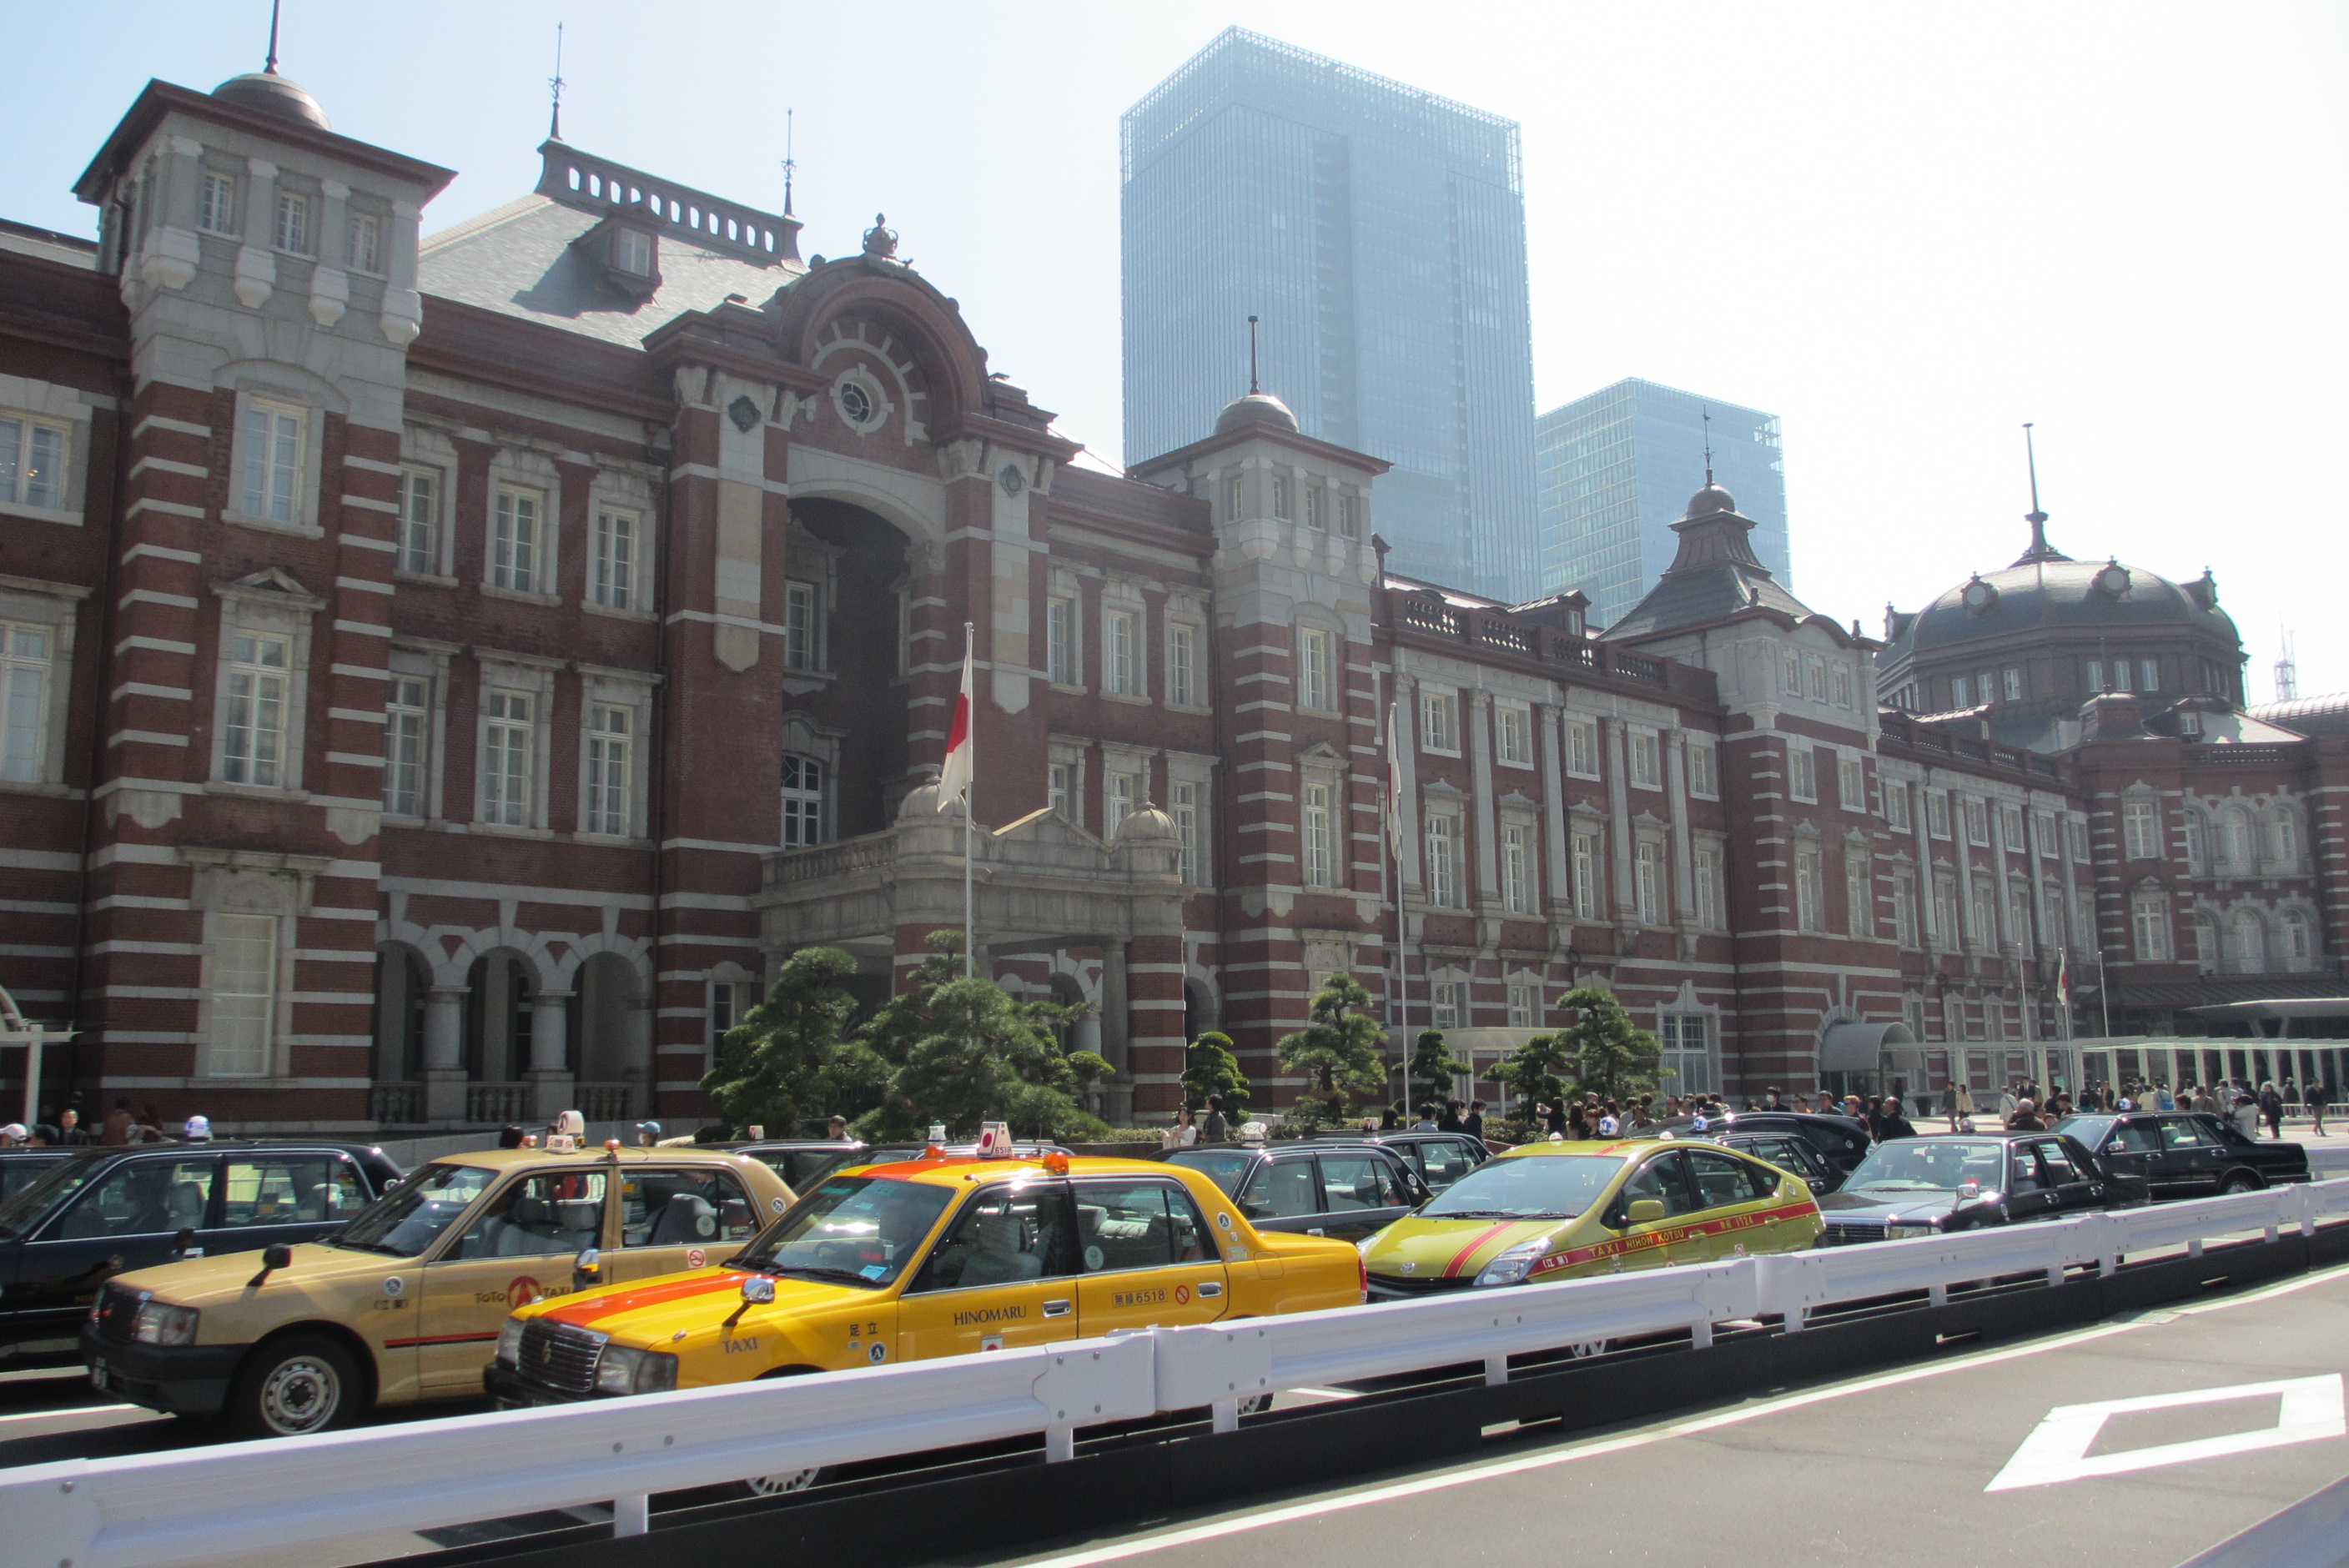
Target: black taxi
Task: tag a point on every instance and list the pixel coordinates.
(2186, 1153)
(1348, 1190)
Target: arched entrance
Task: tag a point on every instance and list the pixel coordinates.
(403, 986)
(613, 1056)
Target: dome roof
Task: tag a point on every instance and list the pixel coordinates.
(1254, 409)
(272, 93)
(919, 805)
(2044, 594)
(1146, 825)
(1710, 501)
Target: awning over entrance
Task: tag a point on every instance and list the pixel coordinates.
(1855, 1048)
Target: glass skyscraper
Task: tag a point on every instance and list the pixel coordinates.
(1616, 468)
(1380, 233)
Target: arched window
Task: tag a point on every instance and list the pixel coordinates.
(2151, 920)
(2206, 944)
(2299, 940)
(2198, 848)
(803, 813)
(2246, 943)
(2283, 837)
(2242, 843)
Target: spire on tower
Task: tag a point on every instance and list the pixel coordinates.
(554, 119)
(269, 67)
(2040, 549)
(1253, 388)
(1707, 413)
(790, 164)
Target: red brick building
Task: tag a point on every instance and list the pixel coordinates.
(443, 676)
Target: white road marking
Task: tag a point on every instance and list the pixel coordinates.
(2308, 1410)
(70, 1411)
(1219, 1529)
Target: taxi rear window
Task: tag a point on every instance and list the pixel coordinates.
(1224, 1167)
(1530, 1187)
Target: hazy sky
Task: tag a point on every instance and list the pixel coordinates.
(1905, 229)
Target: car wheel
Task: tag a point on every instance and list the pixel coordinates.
(2240, 1181)
(289, 1388)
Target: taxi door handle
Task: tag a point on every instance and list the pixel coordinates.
(1056, 1309)
(1210, 1287)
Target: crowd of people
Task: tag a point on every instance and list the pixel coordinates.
(65, 1128)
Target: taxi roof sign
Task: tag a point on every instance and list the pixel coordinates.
(994, 1140)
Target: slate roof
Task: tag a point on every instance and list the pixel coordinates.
(1715, 575)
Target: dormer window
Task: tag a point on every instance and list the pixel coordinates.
(632, 252)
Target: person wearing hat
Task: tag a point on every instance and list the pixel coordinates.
(648, 1134)
(199, 1129)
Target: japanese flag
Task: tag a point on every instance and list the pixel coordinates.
(954, 779)
(1394, 787)
(2063, 978)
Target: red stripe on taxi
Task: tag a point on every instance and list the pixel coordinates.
(1621, 1245)
(586, 1313)
(1483, 1236)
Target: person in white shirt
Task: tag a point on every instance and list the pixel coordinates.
(1183, 1134)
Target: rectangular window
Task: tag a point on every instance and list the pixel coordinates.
(1232, 497)
(2010, 827)
(1512, 729)
(1313, 669)
(407, 714)
(1585, 876)
(802, 642)
(609, 731)
(1704, 772)
(1859, 898)
(1646, 766)
(1896, 807)
(1061, 790)
(1350, 516)
(1803, 772)
(2149, 676)
(254, 730)
(1061, 641)
(1321, 838)
(1843, 686)
(25, 662)
(729, 1000)
(2152, 928)
(507, 744)
(420, 520)
(1525, 1004)
(1808, 915)
(2095, 674)
(514, 541)
(366, 248)
(2018, 917)
(1686, 1060)
(802, 801)
(217, 213)
(1517, 868)
(2120, 674)
(2141, 830)
(1280, 497)
(1708, 891)
(1582, 747)
(1851, 783)
(1451, 1003)
(2076, 832)
(292, 230)
(2013, 677)
(1647, 881)
(1183, 664)
(1124, 798)
(1439, 721)
(1443, 862)
(1936, 812)
(1121, 646)
(1185, 809)
(1904, 908)
(32, 462)
(1961, 692)
(1985, 916)
(243, 995)
(1313, 518)
(272, 486)
(1818, 669)
(1793, 672)
(1977, 822)
(1945, 913)
(616, 534)
(632, 252)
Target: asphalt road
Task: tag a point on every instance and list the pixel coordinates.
(1958, 1464)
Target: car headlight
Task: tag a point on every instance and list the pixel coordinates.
(157, 1323)
(620, 1371)
(1906, 1232)
(510, 1342)
(1514, 1265)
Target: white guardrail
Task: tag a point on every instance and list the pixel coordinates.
(232, 1499)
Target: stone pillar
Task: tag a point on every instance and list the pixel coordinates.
(638, 1073)
(1154, 1027)
(1618, 813)
(444, 1053)
(1558, 892)
(551, 1080)
(1479, 719)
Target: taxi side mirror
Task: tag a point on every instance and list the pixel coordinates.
(275, 1256)
(1645, 1212)
(184, 1243)
(759, 1290)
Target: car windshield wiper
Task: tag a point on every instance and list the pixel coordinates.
(367, 1247)
(1504, 1214)
(812, 1271)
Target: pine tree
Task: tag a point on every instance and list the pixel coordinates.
(1612, 1058)
(1210, 1068)
(786, 1059)
(1535, 1073)
(1339, 1050)
(1431, 1064)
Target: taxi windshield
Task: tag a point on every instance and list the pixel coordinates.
(1225, 1167)
(854, 1229)
(1929, 1165)
(411, 1216)
(1532, 1187)
(27, 1203)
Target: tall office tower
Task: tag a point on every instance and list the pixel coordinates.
(1380, 233)
(1615, 469)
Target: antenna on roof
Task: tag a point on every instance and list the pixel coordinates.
(790, 164)
(1252, 387)
(270, 67)
(554, 119)
(2287, 670)
(1707, 413)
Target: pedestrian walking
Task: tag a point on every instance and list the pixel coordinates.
(1890, 1123)
(2271, 1108)
(1473, 1124)
(1962, 1096)
(2007, 1100)
(2319, 1094)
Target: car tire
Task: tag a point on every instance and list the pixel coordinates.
(2240, 1181)
(293, 1386)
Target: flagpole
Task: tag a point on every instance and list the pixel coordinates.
(970, 787)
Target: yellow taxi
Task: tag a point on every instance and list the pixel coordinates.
(931, 1256)
(1560, 1211)
(405, 1302)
